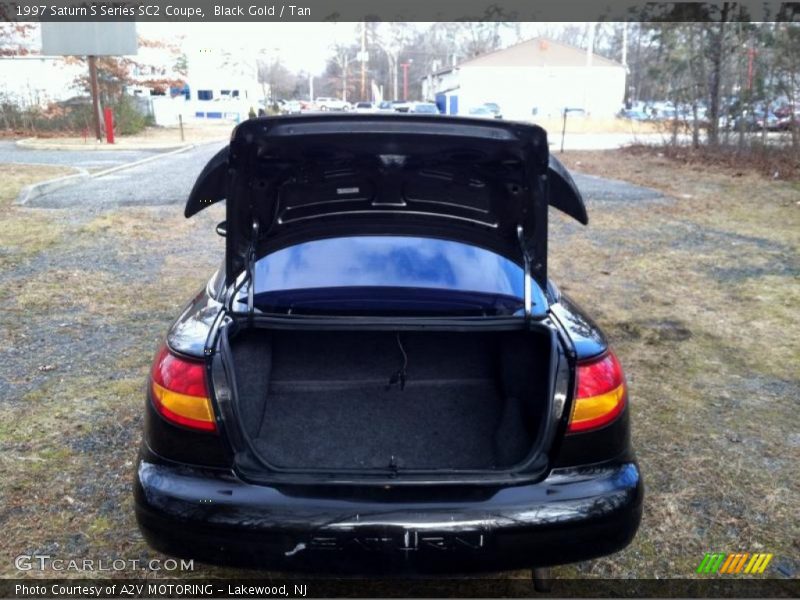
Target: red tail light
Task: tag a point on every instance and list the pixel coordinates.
(601, 394)
(179, 391)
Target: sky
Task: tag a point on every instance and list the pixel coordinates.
(299, 46)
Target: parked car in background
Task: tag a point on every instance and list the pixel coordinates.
(665, 112)
(481, 112)
(494, 108)
(291, 107)
(332, 104)
(756, 120)
(423, 108)
(386, 105)
(633, 114)
(787, 109)
(364, 107)
(382, 375)
(787, 123)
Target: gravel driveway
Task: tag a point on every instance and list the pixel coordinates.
(166, 180)
(88, 159)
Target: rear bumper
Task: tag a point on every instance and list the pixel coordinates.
(213, 516)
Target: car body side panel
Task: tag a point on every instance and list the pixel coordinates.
(585, 335)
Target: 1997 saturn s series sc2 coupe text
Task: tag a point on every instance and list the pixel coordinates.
(382, 375)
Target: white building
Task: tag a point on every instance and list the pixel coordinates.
(223, 83)
(534, 79)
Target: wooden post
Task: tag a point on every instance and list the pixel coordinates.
(564, 130)
(180, 123)
(98, 133)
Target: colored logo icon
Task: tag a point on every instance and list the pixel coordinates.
(733, 564)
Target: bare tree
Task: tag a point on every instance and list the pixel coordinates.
(280, 81)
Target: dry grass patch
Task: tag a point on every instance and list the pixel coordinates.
(700, 301)
(26, 231)
(578, 124)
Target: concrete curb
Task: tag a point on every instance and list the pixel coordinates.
(37, 190)
(33, 143)
(141, 161)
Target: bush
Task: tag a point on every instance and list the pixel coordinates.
(128, 119)
(75, 118)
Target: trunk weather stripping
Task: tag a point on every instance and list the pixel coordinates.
(527, 272)
(251, 269)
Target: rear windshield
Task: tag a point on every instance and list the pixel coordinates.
(387, 274)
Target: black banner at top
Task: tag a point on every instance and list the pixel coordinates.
(200, 11)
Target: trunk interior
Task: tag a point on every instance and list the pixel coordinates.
(413, 400)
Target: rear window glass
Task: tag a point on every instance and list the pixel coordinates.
(418, 267)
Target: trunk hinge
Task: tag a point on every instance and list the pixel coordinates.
(251, 269)
(527, 274)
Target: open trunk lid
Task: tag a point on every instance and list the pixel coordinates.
(289, 180)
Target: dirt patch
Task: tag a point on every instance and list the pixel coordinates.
(655, 332)
(582, 124)
(775, 161)
(150, 138)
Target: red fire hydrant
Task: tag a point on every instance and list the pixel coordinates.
(108, 118)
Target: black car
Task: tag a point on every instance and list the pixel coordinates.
(381, 375)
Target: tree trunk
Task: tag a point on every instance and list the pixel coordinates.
(717, 43)
(694, 85)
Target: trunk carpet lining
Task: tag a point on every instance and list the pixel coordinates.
(319, 400)
(425, 426)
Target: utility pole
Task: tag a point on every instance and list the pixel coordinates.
(589, 57)
(625, 45)
(310, 88)
(625, 62)
(344, 80)
(405, 66)
(751, 54)
(363, 57)
(98, 133)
